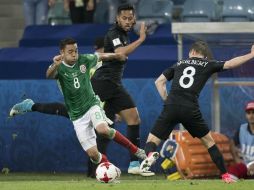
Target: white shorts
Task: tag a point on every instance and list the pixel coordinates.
(85, 126)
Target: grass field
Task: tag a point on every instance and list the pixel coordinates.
(25, 181)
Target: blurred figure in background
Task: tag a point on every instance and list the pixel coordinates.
(243, 146)
(81, 11)
(36, 11)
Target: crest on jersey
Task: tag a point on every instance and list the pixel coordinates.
(82, 68)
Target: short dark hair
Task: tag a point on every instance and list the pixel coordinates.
(202, 48)
(125, 7)
(66, 41)
(99, 43)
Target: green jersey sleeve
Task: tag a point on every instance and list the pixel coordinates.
(89, 59)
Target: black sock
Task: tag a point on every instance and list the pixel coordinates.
(51, 108)
(133, 136)
(217, 158)
(150, 147)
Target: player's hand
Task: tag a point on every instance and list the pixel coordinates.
(142, 31)
(121, 56)
(58, 59)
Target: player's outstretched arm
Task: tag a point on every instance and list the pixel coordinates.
(237, 61)
(111, 56)
(52, 70)
(126, 50)
(160, 84)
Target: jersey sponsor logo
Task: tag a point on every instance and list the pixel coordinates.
(116, 42)
(82, 68)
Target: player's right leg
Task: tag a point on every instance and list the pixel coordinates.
(28, 105)
(95, 156)
(132, 119)
(161, 130)
(150, 149)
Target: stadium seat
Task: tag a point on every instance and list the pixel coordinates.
(193, 160)
(57, 15)
(157, 10)
(236, 11)
(198, 11)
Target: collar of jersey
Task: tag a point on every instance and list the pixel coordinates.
(70, 66)
(248, 127)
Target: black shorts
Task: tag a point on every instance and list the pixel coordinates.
(190, 117)
(114, 95)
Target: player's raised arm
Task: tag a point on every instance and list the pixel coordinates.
(52, 70)
(111, 56)
(131, 47)
(160, 84)
(237, 61)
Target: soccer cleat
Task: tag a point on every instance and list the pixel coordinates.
(22, 107)
(134, 168)
(228, 178)
(147, 173)
(141, 154)
(149, 161)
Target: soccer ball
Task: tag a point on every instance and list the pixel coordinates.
(107, 172)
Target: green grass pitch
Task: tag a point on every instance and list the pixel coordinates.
(31, 181)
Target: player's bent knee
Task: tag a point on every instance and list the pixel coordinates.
(102, 129)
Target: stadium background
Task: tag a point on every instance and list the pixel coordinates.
(37, 142)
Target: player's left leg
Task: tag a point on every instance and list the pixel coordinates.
(217, 157)
(21, 107)
(28, 105)
(197, 127)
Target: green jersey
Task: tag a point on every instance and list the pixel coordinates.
(75, 83)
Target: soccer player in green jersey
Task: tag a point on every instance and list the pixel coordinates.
(72, 71)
